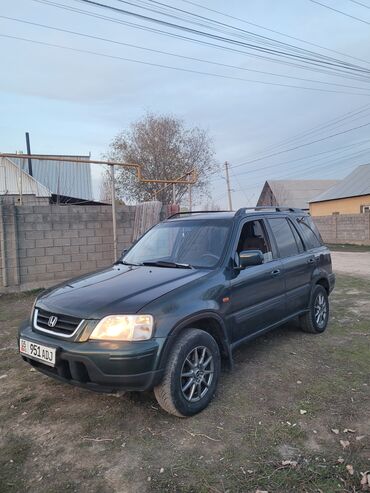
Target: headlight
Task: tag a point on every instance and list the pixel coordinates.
(124, 328)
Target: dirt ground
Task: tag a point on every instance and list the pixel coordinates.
(353, 263)
(293, 416)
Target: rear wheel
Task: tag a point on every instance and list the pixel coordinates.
(191, 374)
(316, 319)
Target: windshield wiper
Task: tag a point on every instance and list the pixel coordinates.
(123, 262)
(165, 263)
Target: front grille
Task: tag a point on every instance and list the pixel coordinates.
(65, 325)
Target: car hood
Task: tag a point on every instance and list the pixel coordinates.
(116, 289)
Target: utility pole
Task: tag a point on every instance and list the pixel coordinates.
(114, 219)
(228, 185)
(173, 193)
(29, 153)
(190, 197)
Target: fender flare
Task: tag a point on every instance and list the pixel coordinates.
(318, 275)
(187, 323)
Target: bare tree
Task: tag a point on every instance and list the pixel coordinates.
(165, 149)
(105, 191)
(211, 206)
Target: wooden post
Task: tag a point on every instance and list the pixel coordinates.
(190, 198)
(114, 219)
(228, 185)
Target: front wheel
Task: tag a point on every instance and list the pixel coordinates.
(191, 374)
(316, 319)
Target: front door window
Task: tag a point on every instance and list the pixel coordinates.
(254, 237)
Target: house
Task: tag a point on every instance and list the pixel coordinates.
(292, 193)
(350, 196)
(68, 182)
(18, 187)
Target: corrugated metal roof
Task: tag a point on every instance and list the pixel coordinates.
(355, 184)
(14, 181)
(298, 193)
(62, 177)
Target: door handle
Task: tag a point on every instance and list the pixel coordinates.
(275, 272)
(311, 260)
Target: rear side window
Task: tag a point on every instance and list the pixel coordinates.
(310, 233)
(284, 237)
(297, 237)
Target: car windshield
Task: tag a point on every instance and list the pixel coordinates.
(197, 243)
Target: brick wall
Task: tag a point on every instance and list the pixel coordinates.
(42, 245)
(345, 228)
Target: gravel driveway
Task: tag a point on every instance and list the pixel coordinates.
(353, 263)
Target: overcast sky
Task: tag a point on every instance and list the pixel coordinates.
(75, 103)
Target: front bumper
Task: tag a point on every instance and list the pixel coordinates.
(98, 365)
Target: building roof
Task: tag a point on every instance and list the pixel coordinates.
(296, 193)
(14, 181)
(355, 184)
(62, 178)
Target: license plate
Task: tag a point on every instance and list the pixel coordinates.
(37, 351)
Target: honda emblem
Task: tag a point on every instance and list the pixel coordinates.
(52, 321)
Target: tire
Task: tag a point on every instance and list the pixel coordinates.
(316, 319)
(187, 388)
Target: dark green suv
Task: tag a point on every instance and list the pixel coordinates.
(184, 296)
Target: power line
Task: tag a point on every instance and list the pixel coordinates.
(283, 163)
(332, 124)
(289, 174)
(152, 50)
(313, 68)
(239, 31)
(301, 145)
(273, 31)
(179, 69)
(258, 48)
(295, 160)
(340, 12)
(359, 3)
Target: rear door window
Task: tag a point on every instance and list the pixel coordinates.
(297, 237)
(310, 233)
(285, 240)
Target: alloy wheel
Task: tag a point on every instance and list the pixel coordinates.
(197, 374)
(320, 310)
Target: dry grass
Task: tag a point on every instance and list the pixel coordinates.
(58, 438)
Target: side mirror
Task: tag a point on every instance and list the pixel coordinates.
(247, 258)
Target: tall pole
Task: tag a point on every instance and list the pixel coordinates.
(20, 186)
(228, 185)
(114, 219)
(29, 153)
(190, 197)
(173, 193)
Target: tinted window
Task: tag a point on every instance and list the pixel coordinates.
(310, 233)
(297, 237)
(284, 237)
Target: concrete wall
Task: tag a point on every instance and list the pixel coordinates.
(345, 228)
(42, 245)
(350, 205)
(25, 200)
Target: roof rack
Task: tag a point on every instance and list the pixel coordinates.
(241, 211)
(192, 212)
